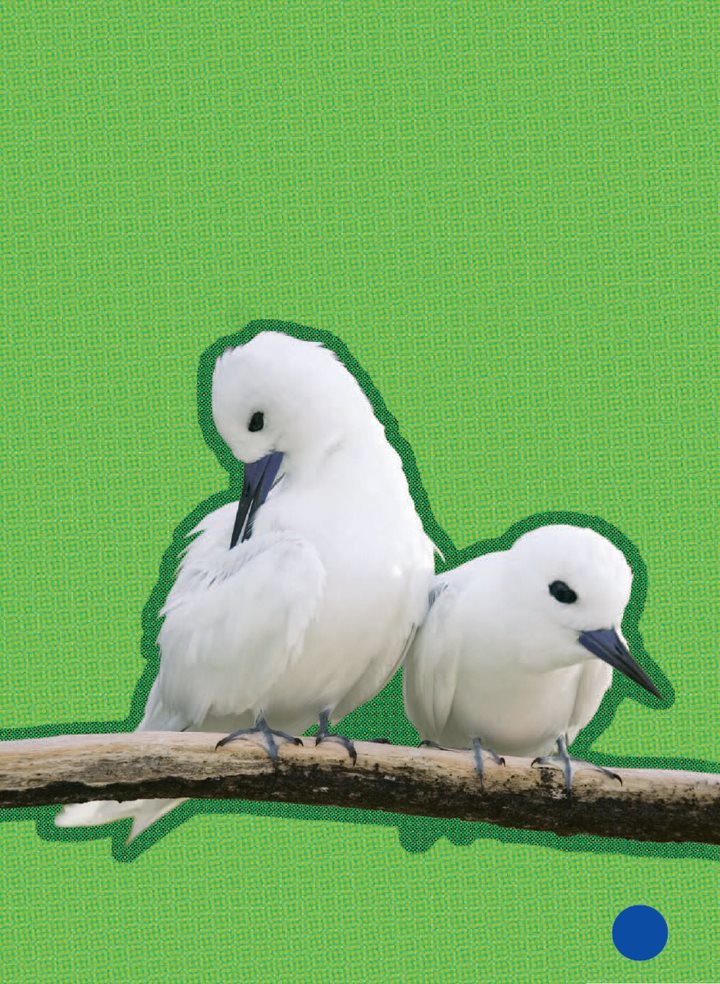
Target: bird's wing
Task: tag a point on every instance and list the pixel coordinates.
(234, 622)
(159, 717)
(595, 679)
(407, 612)
(431, 669)
(372, 681)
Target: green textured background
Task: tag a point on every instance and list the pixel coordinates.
(507, 213)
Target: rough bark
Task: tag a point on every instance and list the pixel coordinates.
(651, 805)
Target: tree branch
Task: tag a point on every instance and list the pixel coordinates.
(651, 805)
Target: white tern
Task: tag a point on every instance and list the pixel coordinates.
(297, 603)
(518, 647)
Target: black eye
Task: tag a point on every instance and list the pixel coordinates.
(257, 421)
(561, 592)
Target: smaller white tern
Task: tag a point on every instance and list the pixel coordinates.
(518, 647)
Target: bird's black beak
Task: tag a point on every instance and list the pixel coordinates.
(607, 645)
(259, 477)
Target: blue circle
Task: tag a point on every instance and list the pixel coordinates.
(640, 932)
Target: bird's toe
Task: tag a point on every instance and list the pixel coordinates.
(340, 740)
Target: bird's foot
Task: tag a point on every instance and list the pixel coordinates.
(341, 740)
(478, 751)
(570, 765)
(324, 735)
(266, 737)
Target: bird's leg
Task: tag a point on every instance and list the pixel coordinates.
(324, 735)
(569, 765)
(427, 743)
(478, 751)
(266, 734)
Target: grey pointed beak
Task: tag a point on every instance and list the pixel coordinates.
(258, 480)
(607, 645)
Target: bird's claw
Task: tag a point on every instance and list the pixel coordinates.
(324, 735)
(267, 736)
(478, 751)
(570, 766)
(341, 740)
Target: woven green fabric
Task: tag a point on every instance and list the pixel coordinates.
(506, 212)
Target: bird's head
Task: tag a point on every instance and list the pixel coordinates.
(575, 586)
(283, 404)
(279, 393)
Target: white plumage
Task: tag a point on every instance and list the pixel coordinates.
(507, 658)
(314, 611)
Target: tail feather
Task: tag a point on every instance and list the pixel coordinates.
(144, 813)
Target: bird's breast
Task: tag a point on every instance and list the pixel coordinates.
(514, 712)
(352, 525)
